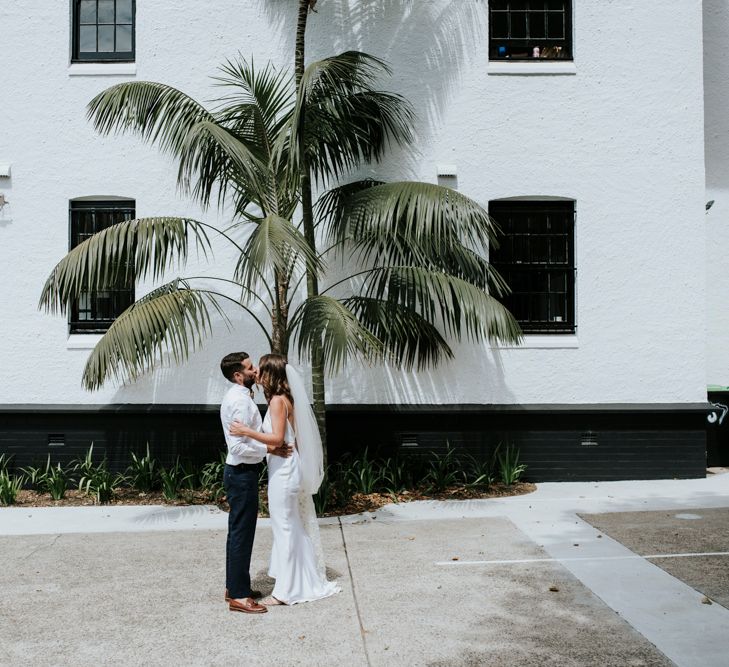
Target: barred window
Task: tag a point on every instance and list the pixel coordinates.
(536, 257)
(103, 30)
(530, 29)
(95, 311)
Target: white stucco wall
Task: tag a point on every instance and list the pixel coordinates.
(623, 136)
(716, 95)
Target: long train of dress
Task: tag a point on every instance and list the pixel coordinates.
(297, 562)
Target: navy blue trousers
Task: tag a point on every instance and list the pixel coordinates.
(241, 488)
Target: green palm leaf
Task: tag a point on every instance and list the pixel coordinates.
(215, 159)
(172, 319)
(418, 213)
(407, 337)
(157, 112)
(331, 324)
(275, 244)
(119, 254)
(463, 308)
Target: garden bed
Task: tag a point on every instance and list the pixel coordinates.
(359, 502)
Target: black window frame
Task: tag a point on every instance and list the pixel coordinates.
(77, 56)
(122, 297)
(530, 227)
(521, 48)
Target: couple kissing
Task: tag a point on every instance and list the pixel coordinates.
(289, 438)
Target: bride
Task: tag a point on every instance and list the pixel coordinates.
(297, 560)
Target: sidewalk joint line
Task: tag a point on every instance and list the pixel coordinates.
(362, 630)
(580, 558)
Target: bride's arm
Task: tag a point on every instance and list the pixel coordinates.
(277, 406)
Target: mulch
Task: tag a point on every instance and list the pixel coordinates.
(357, 504)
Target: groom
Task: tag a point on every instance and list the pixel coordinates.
(241, 480)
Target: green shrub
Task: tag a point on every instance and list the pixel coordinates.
(478, 473)
(172, 479)
(443, 471)
(10, 486)
(55, 481)
(5, 462)
(362, 474)
(95, 479)
(143, 474)
(508, 463)
(211, 479)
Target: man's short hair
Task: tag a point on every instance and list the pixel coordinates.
(233, 363)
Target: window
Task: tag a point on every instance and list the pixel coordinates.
(536, 257)
(530, 29)
(103, 30)
(95, 311)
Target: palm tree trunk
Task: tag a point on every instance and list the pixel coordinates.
(312, 281)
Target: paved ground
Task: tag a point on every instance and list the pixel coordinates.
(143, 586)
(703, 532)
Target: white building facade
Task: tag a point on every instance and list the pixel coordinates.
(609, 124)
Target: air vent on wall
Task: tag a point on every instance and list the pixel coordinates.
(56, 440)
(408, 440)
(588, 439)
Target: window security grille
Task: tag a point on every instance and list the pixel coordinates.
(94, 311)
(103, 30)
(530, 29)
(536, 257)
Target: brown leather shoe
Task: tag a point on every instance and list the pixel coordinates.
(247, 606)
(254, 594)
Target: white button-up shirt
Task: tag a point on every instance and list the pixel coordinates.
(238, 405)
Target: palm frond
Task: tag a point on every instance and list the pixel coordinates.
(324, 321)
(407, 338)
(159, 113)
(347, 120)
(275, 244)
(463, 308)
(417, 213)
(173, 319)
(345, 131)
(121, 253)
(215, 158)
(268, 93)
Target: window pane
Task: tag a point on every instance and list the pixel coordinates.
(123, 11)
(559, 250)
(518, 25)
(540, 249)
(557, 4)
(106, 38)
(536, 25)
(87, 12)
(555, 25)
(498, 4)
(124, 38)
(518, 4)
(499, 25)
(87, 39)
(106, 11)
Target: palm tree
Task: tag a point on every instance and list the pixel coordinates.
(415, 251)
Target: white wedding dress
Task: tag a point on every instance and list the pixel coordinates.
(297, 560)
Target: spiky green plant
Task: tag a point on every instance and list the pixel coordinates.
(10, 486)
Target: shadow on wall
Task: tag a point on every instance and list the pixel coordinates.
(199, 380)
(426, 43)
(475, 366)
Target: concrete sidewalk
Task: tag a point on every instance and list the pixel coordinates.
(143, 585)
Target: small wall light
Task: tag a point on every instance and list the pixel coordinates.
(448, 175)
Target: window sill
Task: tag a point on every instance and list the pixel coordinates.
(82, 341)
(545, 342)
(102, 69)
(531, 68)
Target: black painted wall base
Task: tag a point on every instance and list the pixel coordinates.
(557, 443)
